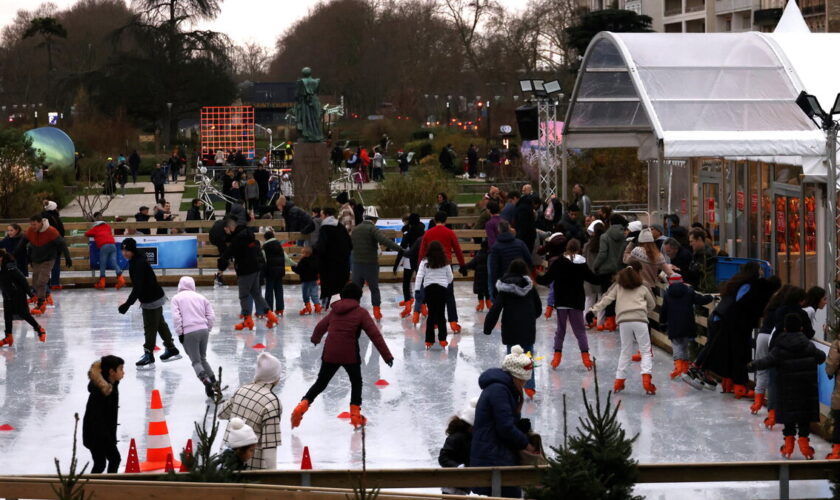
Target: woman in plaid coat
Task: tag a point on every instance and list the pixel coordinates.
(260, 408)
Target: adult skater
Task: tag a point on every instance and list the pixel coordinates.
(50, 213)
(449, 241)
(15, 243)
(519, 305)
(333, 253)
(247, 255)
(193, 318)
(343, 325)
(498, 437)
(366, 238)
(99, 426)
(260, 408)
(219, 237)
(15, 290)
(45, 245)
(145, 288)
(103, 238)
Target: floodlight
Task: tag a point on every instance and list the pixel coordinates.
(525, 85)
(810, 105)
(538, 85)
(552, 87)
(835, 110)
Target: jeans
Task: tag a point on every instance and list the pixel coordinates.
(435, 296)
(680, 347)
(309, 290)
(195, 344)
(249, 288)
(531, 384)
(101, 454)
(108, 255)
(630, 331)
(575, 317)
(274, 289)
(328, 370)
(368, 273)
(154, 324)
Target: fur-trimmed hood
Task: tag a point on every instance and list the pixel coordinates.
(515, 284)
(97, 380)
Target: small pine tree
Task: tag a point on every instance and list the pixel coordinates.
(597, 462)
(72, 488)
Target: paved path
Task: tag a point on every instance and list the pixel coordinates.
(127, 206)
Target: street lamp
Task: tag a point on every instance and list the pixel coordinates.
(169, 122)
(810, 105)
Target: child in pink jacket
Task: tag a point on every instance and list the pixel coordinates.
(193, 317)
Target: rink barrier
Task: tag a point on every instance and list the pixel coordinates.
(495, 477)
(14, 487)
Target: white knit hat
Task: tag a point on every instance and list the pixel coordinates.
(468, 413)
(591, 227)
(634, 226)
(240, 434)
(50, 205)
(646, 236)
(518, 364)
(268, 369)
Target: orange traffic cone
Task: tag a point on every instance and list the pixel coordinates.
(132, 466)
(306, 463)
(188, 457)
(158, 445)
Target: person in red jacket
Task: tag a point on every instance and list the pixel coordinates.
(343, 325)
(449, 240)
(103, 237)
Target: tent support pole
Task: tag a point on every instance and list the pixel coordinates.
(831, 231)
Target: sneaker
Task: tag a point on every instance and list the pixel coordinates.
(170, 354)
(147, 361)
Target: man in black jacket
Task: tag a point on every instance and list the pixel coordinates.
(219, 238)
(158, 179)
(248, 259)
(145, 288)
(261, 175)
(525, 222)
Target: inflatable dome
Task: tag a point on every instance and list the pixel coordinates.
(56, 146)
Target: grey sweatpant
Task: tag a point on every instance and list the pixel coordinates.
(680, 348)
(368, 273)
(195, 343)
(249, 288)
(762, 349)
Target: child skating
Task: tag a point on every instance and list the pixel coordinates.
(633, 302)
(193, 318)
(678, 314)
(307, 269)
(15, 290)
(343, 325)
(145, 288)
(434, 277)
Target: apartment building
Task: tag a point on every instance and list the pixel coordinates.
(708, 16)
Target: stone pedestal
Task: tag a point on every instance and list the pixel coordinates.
(310, 173)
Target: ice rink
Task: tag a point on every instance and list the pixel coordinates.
(42, 385)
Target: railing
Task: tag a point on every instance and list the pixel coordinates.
(486, 477)
(722, 6)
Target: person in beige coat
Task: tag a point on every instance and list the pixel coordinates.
(832, 367)
(633, 301)
(651, 259)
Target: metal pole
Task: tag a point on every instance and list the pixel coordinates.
(784, 482)
(831, 224)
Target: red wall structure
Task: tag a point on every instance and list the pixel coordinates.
(229, 128)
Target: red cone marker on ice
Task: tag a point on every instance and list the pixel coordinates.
(157, 348)
(306, 463)
(258, 346)
(382, 382)
(132, 466)
(344, 414)
(6, 427)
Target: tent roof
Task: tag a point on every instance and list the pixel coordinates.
(701, 94)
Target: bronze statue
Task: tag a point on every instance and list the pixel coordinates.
(308, 108)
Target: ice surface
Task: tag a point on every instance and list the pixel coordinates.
(42, 385)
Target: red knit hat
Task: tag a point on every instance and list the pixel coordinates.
(675, 278)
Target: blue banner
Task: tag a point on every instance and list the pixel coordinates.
(162, 252)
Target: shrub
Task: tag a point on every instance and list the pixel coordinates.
(17, 174)
(415, 192)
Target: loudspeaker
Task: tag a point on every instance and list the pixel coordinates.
(528, 121)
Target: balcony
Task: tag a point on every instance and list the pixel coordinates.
(695, 6)
(673, 7)
(724, 6)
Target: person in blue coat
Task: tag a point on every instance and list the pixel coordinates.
(498, 434)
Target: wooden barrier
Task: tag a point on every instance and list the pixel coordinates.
(496, 477)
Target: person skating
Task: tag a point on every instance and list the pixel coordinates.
(412, 232)
(633, 302)
(333, 253)
(219, 237)
(258, 406)
(480, 286)
(343, 325)
(449, 241)
(832, 367)
(307, 269)
(99, 426)
(15, 290)
(246, 253)
(566, 276)
(796, 360)
(45, 246)
(519, 305)
(103, 237)
(434, 277)
(274, 271)
(241, 445)
(145, 288)
(366, 238)
(193, 318)
(609, 261)
(677, 315)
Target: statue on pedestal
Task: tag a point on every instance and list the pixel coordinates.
(308, 108)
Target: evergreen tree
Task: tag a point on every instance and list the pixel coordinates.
(597, 462)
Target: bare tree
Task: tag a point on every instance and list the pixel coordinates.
(467, 15)
(251, 61)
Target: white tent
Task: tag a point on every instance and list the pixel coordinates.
(679, 95)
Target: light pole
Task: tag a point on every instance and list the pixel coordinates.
(169, 124)
(548, 142)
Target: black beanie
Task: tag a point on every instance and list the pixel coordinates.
(130, 244)
(793, 323)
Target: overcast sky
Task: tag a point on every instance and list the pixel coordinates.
(242, 20)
